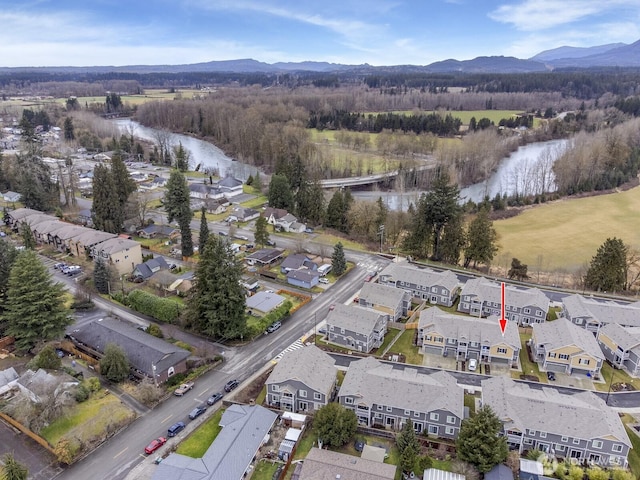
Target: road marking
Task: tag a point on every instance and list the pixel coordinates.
(120, 453)
(163, 421)
(294, 346)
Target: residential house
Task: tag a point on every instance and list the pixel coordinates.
(157, 231)
(321, 464)
(438, 288)
(41, 384)
(216, 206)
(621, 347)
(147, 355)
(525, 306)
(199, 190)
(391, 301)
(561, 346)
(274, 214)
(304, 380)
(44, 231)
(244, 214)
(8, 378)
(297, 261)
(303, 278)
(296, 227)
(283, 220)
(264, 257)
(357, 328)
(577, 426)
(264, 302)
(122, 253)
(148, 268)
(593, 313)
(159, 182)
(11, 197)
(82, 244)
(230, 186)
(382, 394)
(245, 428)
(63, 237)
(463, 338)
(13, 218)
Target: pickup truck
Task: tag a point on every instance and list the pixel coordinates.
(184, 388)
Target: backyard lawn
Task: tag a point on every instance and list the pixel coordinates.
(528, 367)
(405, 345)
(201, 439)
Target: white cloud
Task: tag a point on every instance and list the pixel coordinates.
(534, 15)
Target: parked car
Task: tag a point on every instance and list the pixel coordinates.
(359, 445)
(308, 230)
(175, 429)
(136, 279)
(196, 412)
(551, 376)
(271, 243)
(332, 306)
(473, 364)
(59, 265)
(216, 397)
(72, 270)
(324, 280)
(182, 389)
(154, 445)
(222, 234)
(231, 384)
(273, 327)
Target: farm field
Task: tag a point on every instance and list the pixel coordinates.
(567, 233)
(465, 115)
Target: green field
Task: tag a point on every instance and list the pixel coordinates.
(566, 234)
(465, 115)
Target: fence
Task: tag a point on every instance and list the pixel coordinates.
(27, 432)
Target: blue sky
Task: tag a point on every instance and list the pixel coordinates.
(378, 32)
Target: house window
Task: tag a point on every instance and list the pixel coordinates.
(552, 355)
(564, 439)
(465, 306)
(434, 289)
(528, 441)
(428, 338)
(596, 444)
(433, 429)
(434, 416)
(348, 400)
(275, 388)
(543, 434)
(416, 414)
(379, 407)
(317, 396)
(559, 447)
(502, 350)
(616, 447)
(538, 313)
(389, 409)
(451, 419)
(407, 413)
(450, 431)
(378, 415)
(531, 432)
(527, 310)
(576, 441)
(583, 361)
(563, 356)
(437, 339)
(302, 393)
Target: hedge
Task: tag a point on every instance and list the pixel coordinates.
(280, 313)
(162, 309)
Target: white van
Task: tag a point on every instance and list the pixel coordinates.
(473, 364)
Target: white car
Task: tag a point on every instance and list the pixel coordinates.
(324, 280)
(473, 364)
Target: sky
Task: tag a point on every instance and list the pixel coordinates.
(377, 32)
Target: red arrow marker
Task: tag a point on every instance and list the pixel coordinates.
(503, 320)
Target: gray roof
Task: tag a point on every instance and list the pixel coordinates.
(20, 213)
(8, 375)
(308, 365)
(581, 415)
(561, 333)
(92, 237)
(244, 427)
(266, 255)
(295, 261)
(405, 272)
(437, 474)
(34, 220)
(199, 188)
(354, 319)
(264, 301)
(142, 349)
(485, 331)
(499, 472)
(70, 231)
(488, 291)
(385, 295)
(625, 338)
(148, 268)
(49, 226)
(323, 464)
(230, 182)
(115, 245)
(603, 311)
(374, 382)
(303, 275)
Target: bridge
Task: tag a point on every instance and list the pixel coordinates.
(368, 179)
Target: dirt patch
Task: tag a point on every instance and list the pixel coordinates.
(622, 387)
(529, 378)
(251, 391)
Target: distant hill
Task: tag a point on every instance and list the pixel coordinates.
(573, 52)
(610, 55)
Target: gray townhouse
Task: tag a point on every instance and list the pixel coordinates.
(592, 313)
(463, 338)
(391, 301)
(578, 426)
(385, 395)
(482, 298)
(303, 381)
(561, 346)
(621, 346)
(438, 288)
(359, 329)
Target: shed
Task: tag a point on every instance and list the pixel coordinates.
(437, 474)
(293, 434)
(375, 454)
(286, 449)
(296, 420)
(499, 472)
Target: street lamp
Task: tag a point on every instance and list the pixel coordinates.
(613, 373)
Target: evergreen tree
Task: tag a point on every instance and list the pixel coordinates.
(518, 270)
(335, 210)
(125, 185)
(408, 446)
(204, 230)
(8, 255)
(12, 469)
(608, 268)
(181, 158)
(479, 441)
(101, 277)
(338, 260)
(106, 211)
(177, 205)
(34, 180)
(27, 237)
(69, 133)
(217, 302)
(453, 241)
(114, 364)
(257, 182)
(261, 234)
(380, 214)
(482, 238)
(35, 306)
(47, 358)
(280, 194)
(335, 425)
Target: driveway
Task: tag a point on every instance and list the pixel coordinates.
(42, 464)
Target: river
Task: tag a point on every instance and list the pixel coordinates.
(202, 153)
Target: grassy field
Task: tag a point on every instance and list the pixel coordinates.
(634, 453)
(494, 115)
(405, 345)
(199, 441)
(566, 234)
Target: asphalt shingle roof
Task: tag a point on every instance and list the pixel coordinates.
(625, 338)
(561, 333)
(308, 365)
(355, 319)
(405, 272)
(385, 295)
(489, 291)
(323, 464)
(603, 311)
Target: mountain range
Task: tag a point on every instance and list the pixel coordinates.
(610, 55)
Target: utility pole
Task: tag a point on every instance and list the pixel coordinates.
(381, 233)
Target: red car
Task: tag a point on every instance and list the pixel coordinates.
(155, 444)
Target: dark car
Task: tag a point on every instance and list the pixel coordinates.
(216, 397)
(154, 445)
(196, 412)
(231, 384)
(551, 376)
(175, 429)
(359, 445)
(60, 265)
(222, 234)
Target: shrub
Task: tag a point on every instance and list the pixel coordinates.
(82, 393)
(92, 384)
(154, 330)
(162, 309)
